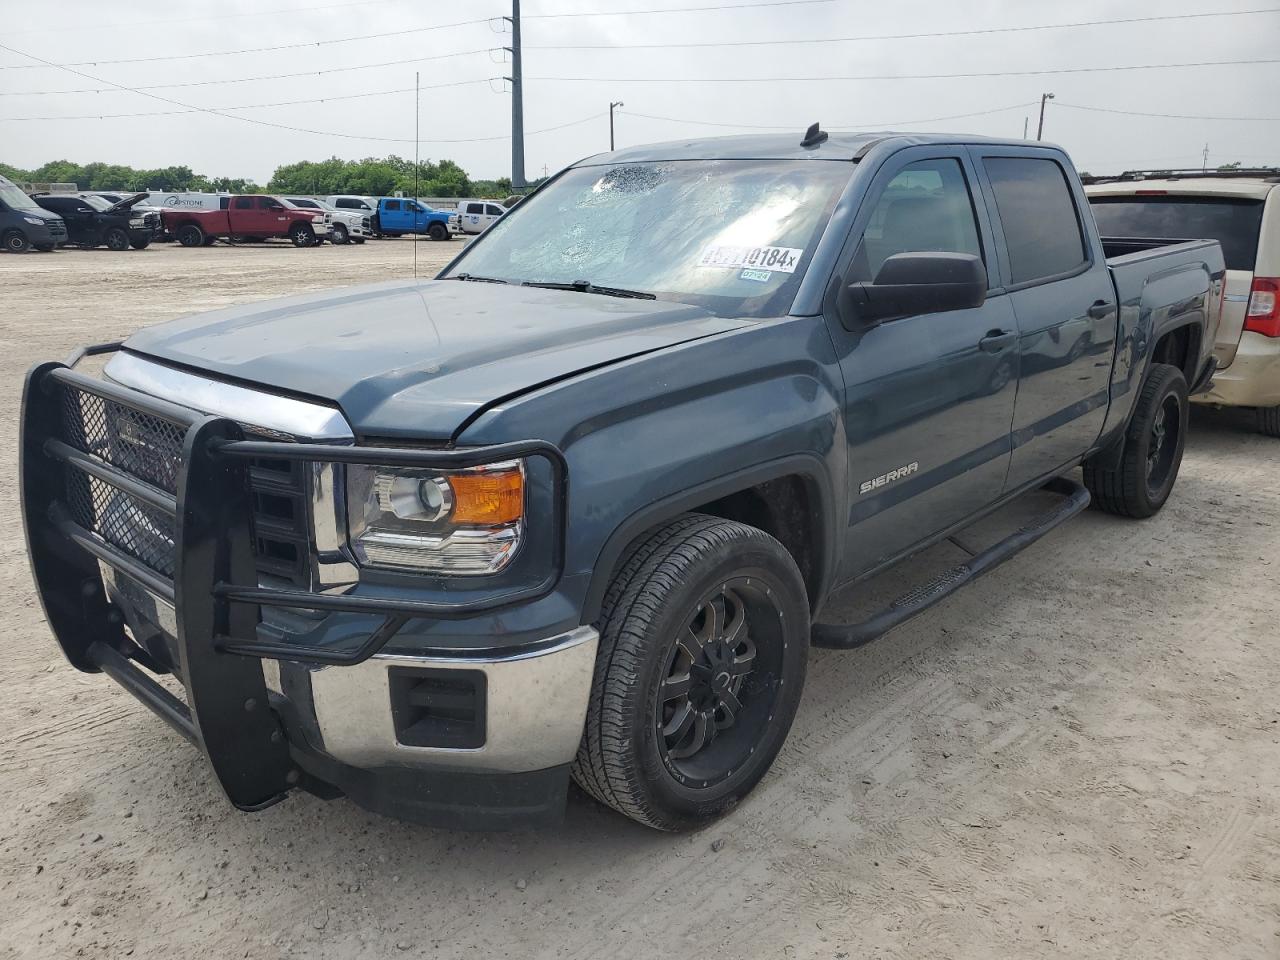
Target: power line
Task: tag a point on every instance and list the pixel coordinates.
(1168, 116)
(214, 16)
(636, 13)
(894, 36)
(251, 106)
(905, 76)
(228, 53)
(273, 76)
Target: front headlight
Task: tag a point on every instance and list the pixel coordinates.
(36, 220)
(137, 221)
(452, 522)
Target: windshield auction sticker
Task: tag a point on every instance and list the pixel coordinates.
(782, 259)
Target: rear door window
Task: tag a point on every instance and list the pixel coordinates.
(242, 203)
(1041, 226)
(1234, 223)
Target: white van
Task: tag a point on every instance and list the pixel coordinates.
(1241, 210)
(185, 201)
(478, 215)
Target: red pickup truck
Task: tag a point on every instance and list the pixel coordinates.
(251, 217)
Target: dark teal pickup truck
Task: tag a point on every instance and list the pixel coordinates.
(575, 508)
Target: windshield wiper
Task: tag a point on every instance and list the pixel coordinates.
(474, 278)
(586, 286)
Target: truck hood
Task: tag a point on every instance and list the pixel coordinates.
(418, 359)
(127, 204)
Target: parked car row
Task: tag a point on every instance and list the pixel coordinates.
(43, 221)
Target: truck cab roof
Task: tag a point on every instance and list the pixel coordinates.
(836, 146)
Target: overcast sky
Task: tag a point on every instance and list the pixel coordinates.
(709, 92)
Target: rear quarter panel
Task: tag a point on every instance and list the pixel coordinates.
(1158, 291)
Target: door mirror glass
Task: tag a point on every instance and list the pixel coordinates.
(919, 282)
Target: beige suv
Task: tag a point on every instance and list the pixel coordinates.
(1241, 210)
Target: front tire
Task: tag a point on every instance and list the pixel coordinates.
(339, 234)
(15, 241)
(1152, 453)
(704, 636)
(438, 231)
(140, 244)
(44, 247)
(302, 236)
(1269, 421)
(117, 240)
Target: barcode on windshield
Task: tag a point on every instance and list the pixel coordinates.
(782, 259)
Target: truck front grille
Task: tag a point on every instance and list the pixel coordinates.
(149, 448)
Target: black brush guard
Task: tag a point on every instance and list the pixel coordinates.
(214, 590)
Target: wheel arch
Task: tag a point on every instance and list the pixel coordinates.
(789, 498)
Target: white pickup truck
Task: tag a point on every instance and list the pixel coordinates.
(348, 226)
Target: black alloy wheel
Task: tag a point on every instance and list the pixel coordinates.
(713, 701)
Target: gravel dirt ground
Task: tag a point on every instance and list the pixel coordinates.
(1076, 757)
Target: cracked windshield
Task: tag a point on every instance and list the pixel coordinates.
(732, 236)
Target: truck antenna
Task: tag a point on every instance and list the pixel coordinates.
(813, 136)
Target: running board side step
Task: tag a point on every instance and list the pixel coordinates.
(917, 601)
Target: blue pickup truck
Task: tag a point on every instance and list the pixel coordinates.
(398, 216)
(576, 507)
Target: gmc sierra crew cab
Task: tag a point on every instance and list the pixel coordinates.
(575, 507)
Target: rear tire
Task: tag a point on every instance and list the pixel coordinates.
(15, 241)
(1269, 421)
(1141, 482)
(704, 636)
(117, 240)
(190, 235)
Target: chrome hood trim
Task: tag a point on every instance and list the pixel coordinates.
(265, 412)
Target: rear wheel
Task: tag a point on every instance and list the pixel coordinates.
(438, 231)
(190, 235)
(302, 235)
(15, 241)
(704, 636)
(1269, 421)
(116, 239)
(1141, 482)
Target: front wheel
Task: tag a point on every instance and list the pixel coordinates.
(339, 235)
(302, 235)
(15, 241)
(357, 240)
(1141, 482)
(44, 247)
(704, 637)
(1269, 421)
(140, 244)
(438, 231)
(116, 239)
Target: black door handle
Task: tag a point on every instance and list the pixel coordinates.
(1100, 309)
(997, 340)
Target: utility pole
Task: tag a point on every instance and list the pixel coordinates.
(1204, 160)
(611, 106)
(517, 101)
(1044, 97)
(417, 113)
(1025, 121)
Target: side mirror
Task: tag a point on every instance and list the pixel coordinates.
(277, 206)
(913, 283)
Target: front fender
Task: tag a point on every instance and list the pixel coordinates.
(656, 435)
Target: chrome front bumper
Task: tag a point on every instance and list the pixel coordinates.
(535, 706)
